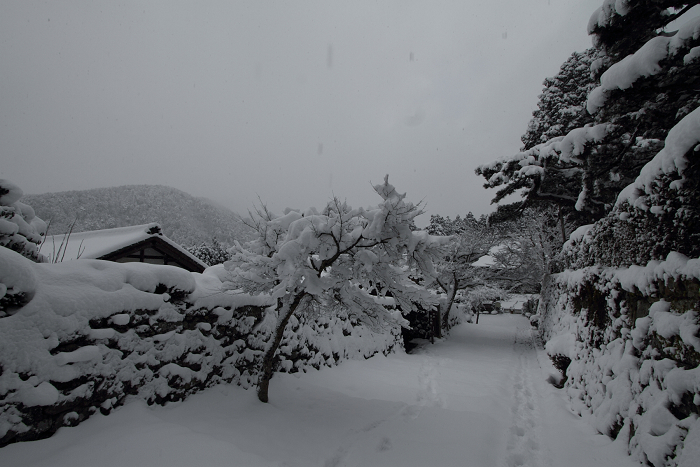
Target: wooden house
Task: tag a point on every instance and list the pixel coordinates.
(139, 243)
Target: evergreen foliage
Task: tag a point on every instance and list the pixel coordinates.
(211, 253)
(647, 82)
(561, 108)
(20, 229)
(562, 104)
(445, 226)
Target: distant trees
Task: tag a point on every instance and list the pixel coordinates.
(210, 253)
(334, 259)
(494, 256)
(456, 270)
(20, 229)
(529, 251)
(445, 226)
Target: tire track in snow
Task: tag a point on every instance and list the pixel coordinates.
(523, 447)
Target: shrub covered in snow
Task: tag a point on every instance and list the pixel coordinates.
(88, 334)
(20, 229)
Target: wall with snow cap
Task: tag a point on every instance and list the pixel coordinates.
(633, 337)
(84, 336)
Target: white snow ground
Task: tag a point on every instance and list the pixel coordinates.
(477, 399)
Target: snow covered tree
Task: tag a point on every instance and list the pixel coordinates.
(562, 104)
(529, 249)
(476, 298)
(457, 270)
(647, 84)
(211, 253)
(651, 91)
(511, 255)
(445, 226)
(334, 259)
(20, 229)
(561, 108)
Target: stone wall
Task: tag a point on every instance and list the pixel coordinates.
(632, 338)
(88, 335)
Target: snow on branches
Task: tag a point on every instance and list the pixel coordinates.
(342, 258)
(682, 141)
(337, 249)
(647, 85)
(644, 62)
(20, 229)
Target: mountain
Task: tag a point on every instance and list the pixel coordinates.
(184, 218)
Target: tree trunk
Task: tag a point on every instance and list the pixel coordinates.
(450, 302)
(562, 225)
(268, 364)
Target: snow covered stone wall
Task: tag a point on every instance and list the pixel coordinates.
(632, 337)
(82, 336)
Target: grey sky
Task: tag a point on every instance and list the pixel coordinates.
(294, 101)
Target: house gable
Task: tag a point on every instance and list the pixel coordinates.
(140, 243)
(154, 250)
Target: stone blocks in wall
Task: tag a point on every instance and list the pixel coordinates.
(94, 334)
(635, 351)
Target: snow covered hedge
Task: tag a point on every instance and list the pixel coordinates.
(82, 336)
(632, 337)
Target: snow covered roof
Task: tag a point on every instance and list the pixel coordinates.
(98, 244)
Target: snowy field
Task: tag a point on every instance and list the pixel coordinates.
(477, 399)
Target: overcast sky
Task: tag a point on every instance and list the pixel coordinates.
(292, 101)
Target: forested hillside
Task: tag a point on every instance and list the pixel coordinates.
(184, 218)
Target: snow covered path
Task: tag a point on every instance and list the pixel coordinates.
(477, 399)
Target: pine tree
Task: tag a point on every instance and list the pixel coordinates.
(652, 93)
(648, 83)
(562, 104)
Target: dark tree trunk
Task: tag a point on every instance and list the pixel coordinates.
(562, 225)
(450, 302)
(268, 364)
